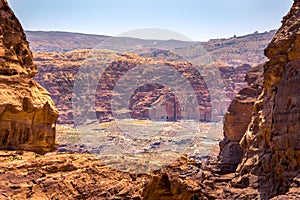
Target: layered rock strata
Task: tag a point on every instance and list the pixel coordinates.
(271, 144)
(27, 113)
(58, 73)
(237, 119)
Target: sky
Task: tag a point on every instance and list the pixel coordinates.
(199, 20)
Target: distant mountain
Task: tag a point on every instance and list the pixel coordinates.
(244, 49)
(235, 50)
(42, 41)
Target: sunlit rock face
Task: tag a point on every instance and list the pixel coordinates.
(27, 112)
(271, 144)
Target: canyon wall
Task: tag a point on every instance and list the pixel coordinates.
(58, 73)
(260, 152)
(237, 119)
(27, 113)
(271, 144)
(270, 156)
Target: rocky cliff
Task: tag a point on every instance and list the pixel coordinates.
(261, 127)
(260, 153)
(237, 119)
(65, 176)
(271, 143)
(27, 113)
(57, 73)
(259, 157)
(58, 68)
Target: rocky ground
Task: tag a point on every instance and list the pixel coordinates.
(134, 143)
(25, 175)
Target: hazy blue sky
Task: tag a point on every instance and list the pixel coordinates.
(197, 19)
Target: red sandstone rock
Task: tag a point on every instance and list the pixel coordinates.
(65, 176)
(271, 143)
(57, 73)
(27, 113)
(237, 119)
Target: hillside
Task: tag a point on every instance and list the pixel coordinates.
(235, 51)
(57, 72)
(227, 59)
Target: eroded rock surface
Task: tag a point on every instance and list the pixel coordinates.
(27, 113)
(271, 144)
(237, 119)
(25, 175)
(58, 73)
(270, 161)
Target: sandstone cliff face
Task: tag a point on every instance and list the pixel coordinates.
(237, 119)
(263, 121)
(271, 144)
(57, 73)
(27, 113)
